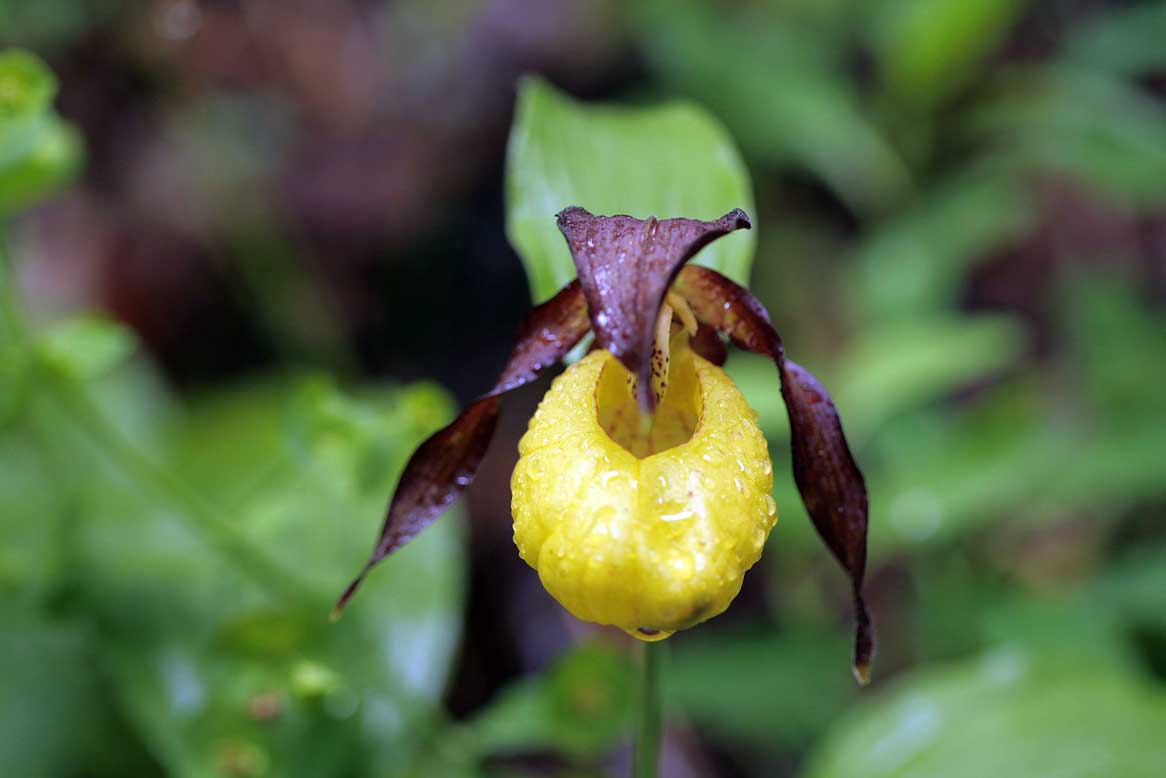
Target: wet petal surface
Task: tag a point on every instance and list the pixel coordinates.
(651, 542)
(626, 265)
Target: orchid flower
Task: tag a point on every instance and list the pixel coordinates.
(643, 491)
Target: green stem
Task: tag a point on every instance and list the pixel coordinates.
(647, 752)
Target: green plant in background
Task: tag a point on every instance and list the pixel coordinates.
(166, 565)
(38, 151)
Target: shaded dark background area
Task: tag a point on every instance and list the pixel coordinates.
(280, 186)
(351, 153)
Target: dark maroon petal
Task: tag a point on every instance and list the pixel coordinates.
(626, 266)
(709, 345)
(831, 485)
(439, 470)
(549, 331)
(444, 465)
(832, 488)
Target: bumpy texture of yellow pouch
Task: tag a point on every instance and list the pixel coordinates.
(647, 530)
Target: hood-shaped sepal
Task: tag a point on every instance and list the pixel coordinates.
(626, 266)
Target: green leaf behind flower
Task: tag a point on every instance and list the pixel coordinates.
(666, 161)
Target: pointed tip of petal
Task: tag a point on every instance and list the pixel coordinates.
(739, 219)
(342, 601)
(861, 672)
(571, 210)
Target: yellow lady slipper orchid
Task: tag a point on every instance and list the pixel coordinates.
(643, 491)
(650, 530)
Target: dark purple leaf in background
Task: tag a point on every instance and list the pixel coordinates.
(625, 266)
(831, 485)
(444, 465)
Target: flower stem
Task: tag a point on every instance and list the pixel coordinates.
(647, 751)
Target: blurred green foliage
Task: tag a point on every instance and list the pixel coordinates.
(1007, 713)
(165, 561)
(215, 667)
(579, 706)
(47, 25)
(167, 566)
(38, 151)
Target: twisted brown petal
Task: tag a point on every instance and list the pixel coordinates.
(831, 485)
(444, 465)
(709, 345)
(626, 266)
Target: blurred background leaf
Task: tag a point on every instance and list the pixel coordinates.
(781, 91)
(579, 706)
(1041, 717)
(723, 687)
(83, 348)
(53, 710)
(213, 670)
(1121, 43)
(38, 151)
(926, 49)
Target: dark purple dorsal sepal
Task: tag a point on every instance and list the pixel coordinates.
(626, 266)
